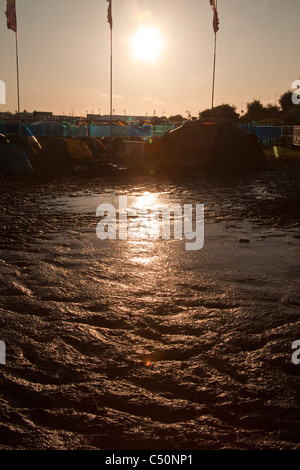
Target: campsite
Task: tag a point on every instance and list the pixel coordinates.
(50, 147)
(149, 242)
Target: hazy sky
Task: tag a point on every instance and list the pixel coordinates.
(64, 55)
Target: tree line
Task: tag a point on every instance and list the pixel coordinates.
(287, 113)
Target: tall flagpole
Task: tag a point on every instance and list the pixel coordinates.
(111, 75)
(214, 5)
(109, 18)
(11, 16)
(214, 74)
(18, 83)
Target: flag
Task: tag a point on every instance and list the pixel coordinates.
(109, 15)
(216, 21)
(11, 15)
(216, 18)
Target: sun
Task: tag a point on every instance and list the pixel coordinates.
(147, 44)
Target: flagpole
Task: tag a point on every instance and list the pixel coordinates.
(18, 84)
(111, 68)
(214, 68)
(111, 84)
(11, 15)
(214, 73)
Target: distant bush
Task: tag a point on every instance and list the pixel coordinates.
(225, 111)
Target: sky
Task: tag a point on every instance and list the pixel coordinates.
(64, 55)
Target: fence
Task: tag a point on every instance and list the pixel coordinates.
(269, 134)
(66, 129)
(296, 136)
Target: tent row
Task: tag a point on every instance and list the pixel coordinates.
(25, 155)
(53, 128)
(205, 144)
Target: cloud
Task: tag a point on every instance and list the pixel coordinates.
(155, 101)
(102, 94)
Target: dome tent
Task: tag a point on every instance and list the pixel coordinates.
(51, 129)
(29, 144)
(63, 153)
(213, 144)
(3, 139)
(13, 160)
(19, 134)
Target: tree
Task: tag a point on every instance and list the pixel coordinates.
(255, 111)
(292, 117)
(225, 111)
(290, 111)
(272, 111)
(176, 119)
(286, 101)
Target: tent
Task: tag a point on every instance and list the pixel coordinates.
(27, 142)
(3, 139)
(51, 129)
(213, 144)
(62, 152)
(18, 133)
(97, 146)
(14, 127)
(13, 160)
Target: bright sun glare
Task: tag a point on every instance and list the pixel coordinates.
(147, 43)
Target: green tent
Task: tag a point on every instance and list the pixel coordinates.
(212, 144)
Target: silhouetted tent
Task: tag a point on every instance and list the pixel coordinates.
(212, 144)
(96, 146)
(14, 127)
(63, 153)
(3, 139)
(13, 160)
(28, 143)
(18, 133)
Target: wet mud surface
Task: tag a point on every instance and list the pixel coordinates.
(119, 344)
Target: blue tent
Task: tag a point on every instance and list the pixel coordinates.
(51, 129)
(13, 160)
